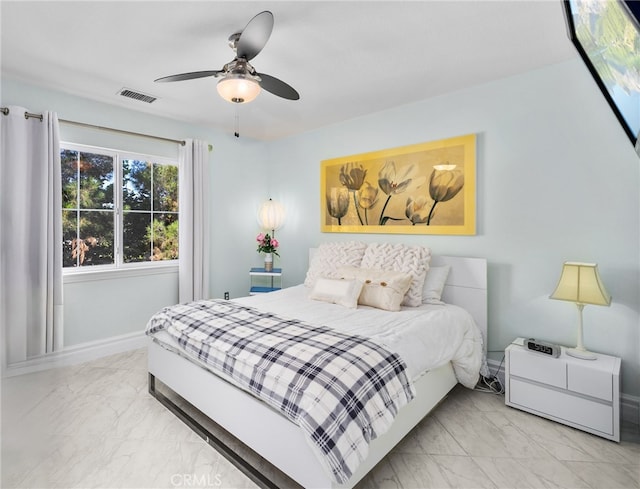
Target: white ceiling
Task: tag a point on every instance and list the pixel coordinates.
(346, 59)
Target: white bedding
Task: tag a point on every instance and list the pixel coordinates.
(425, 337)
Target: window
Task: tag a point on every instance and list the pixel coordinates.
(136, 223)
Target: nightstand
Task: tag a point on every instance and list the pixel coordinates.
(263, 281)
(584, 394)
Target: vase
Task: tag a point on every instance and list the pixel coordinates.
(268, 262)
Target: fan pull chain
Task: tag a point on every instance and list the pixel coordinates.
(236, 131)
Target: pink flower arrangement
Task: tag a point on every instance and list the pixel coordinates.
(267, 244)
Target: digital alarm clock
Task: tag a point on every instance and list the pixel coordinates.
(542, 347)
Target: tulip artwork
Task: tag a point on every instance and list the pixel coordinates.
(426, 188)
(338, 203)
(352, 177)
(444, 184)
(368, 198)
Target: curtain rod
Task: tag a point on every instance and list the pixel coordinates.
(28, 115)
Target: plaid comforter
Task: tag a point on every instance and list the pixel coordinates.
(342, 390)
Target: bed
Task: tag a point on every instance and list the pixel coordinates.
(274, 437)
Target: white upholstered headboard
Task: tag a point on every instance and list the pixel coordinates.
(466, 286)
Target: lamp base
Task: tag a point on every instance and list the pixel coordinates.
(582, 354)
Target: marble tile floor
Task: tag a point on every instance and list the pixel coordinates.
(95, 426)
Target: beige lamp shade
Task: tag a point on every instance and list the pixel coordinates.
(581, 283)
(271, 215)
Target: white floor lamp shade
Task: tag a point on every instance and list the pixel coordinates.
(581, 283)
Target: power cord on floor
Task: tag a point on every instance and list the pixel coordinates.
(492, 384)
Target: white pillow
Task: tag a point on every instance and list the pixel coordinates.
(413, 260)
(434, 284)
(330, 256)
(337, 291)
(382, 289)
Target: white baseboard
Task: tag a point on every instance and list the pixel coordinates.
(629, 405)
(84, 352)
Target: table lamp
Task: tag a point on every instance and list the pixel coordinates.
(581, 283)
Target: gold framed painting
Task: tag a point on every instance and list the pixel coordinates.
(427, 188)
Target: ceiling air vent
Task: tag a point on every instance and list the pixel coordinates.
(126, 92)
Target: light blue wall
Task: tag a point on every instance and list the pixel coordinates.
(557, 179)
(100, 309)
(97, 310)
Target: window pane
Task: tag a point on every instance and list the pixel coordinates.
(69, 170)
(165, 188)
(165, 237)
(95, 246)
(146, 194)
(96, 181)
(69, 235)
(136, 240)
(136, 185)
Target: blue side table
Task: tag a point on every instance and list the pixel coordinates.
(262, 276)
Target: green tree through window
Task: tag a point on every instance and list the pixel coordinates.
(136, 225)
(150, 211)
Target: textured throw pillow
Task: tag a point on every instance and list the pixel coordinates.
(434, 284)
(330, 256)
(337, 291)
(413, 260)
(382, 289)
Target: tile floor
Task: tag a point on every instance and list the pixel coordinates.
(95, 425)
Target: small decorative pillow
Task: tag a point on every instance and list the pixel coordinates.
(434, 284)
(382, 289)
(413, 260)
(330, 256)
(337, 291)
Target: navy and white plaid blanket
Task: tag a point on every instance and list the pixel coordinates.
(342, 390)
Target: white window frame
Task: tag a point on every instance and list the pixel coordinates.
(119, 269)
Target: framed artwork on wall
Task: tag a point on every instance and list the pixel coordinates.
(427, 188)
(607, 36)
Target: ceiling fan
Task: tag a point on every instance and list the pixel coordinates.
(240, 82)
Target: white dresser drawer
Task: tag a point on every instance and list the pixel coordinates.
(565, 407)
(589, 381)
(533, 366)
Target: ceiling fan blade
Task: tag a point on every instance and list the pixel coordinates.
(255, 35)
(188, 76)
(278, 87)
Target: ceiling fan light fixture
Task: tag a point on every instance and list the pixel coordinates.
(238, 88)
